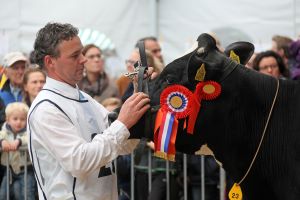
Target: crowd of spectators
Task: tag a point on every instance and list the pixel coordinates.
(21, 79)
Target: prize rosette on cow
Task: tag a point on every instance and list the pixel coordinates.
(207, 90)
(176, 102)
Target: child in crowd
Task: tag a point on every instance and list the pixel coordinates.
(12, 136)
(111, 103)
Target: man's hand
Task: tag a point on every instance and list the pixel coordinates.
(149, 74)
(133, 109)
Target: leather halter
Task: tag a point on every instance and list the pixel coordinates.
(231, 65)
(143, 67)
(143, 83)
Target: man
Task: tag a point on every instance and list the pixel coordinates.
(152, 45)
(280, 45)
(14, 64)
(158, 167)
(123, 81)
(71, 143)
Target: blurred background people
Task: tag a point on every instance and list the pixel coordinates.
(12, 136)
(154, 59)
(96, 82)
(111, 103)
(33, 82)
(14, 64)
(270, 63)
(123, 81)
(295, 59)
(250, 61)
(280, 45)
(152, 45)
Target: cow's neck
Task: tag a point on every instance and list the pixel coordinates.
(249, 104)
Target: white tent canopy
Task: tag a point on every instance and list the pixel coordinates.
(176, 23)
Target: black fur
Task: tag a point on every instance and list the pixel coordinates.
(232, 125)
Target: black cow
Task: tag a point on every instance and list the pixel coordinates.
(233, 124)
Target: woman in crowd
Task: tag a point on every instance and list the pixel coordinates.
(96, 81)
(270, 63)
(33, 82)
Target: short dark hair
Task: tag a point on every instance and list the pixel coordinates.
(151, 38)
(49, 37)
(282, 68)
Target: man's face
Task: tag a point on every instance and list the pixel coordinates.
(68, 66)
(154, 48)
(133, 58)
(15, 73)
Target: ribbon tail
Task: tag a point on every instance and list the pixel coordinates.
(172, 149)
(158, 124)
(193, 115)
(158, 119)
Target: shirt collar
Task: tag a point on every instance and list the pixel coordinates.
(63, 88)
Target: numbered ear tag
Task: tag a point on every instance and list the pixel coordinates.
(235, 193)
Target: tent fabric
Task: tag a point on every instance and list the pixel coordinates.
(176, 23)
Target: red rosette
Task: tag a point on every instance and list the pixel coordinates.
(208, 90)
(176, 99)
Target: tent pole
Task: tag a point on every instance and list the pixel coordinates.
(154, 23)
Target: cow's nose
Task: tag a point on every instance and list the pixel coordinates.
(200, 51)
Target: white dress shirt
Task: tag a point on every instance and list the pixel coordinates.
(72, 146)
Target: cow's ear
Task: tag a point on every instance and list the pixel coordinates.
(207, 42)
(195, 66)
(241, 51)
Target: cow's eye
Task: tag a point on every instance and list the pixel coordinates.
(170, 80)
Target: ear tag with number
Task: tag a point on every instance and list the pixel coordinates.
(235, 193)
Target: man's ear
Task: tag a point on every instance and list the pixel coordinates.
(49, 62)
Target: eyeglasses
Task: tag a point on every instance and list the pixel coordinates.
(264, 68)
(130, 62)
(91, 57)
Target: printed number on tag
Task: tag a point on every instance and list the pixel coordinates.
(235, 193)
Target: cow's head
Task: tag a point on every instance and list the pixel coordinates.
(183, 71)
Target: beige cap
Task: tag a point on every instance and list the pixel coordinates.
(13, 57)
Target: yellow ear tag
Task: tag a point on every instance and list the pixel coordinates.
(200, 73)
(234, 57)
(235, 192)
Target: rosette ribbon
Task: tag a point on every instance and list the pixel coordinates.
(176, 103)
(207, 90)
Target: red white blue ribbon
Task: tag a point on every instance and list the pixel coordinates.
(175, 104)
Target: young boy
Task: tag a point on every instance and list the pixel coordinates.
(12, 136)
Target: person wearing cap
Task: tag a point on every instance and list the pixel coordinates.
(14, 64)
